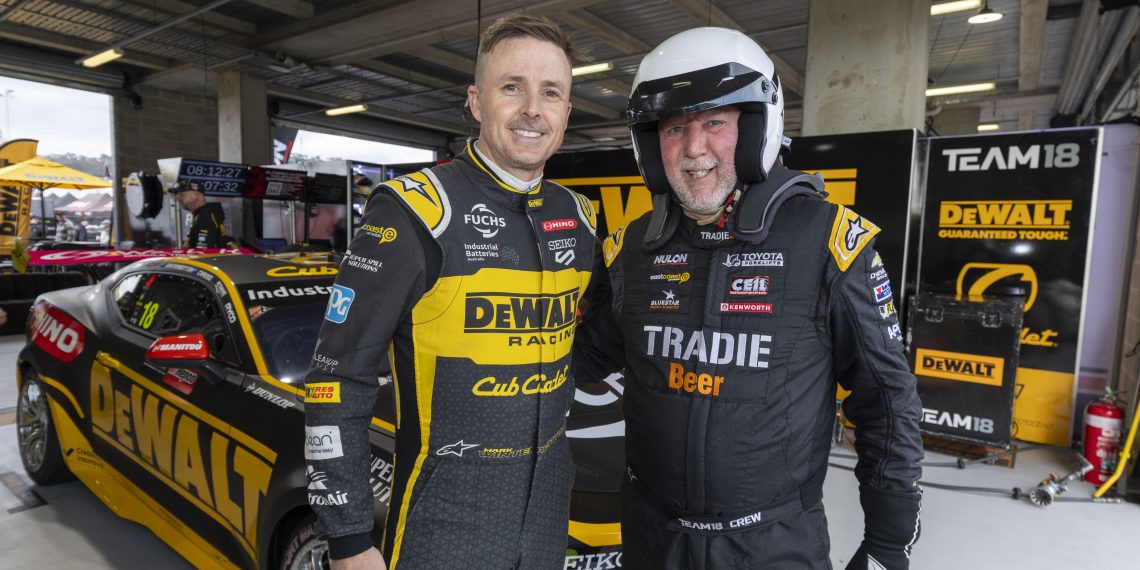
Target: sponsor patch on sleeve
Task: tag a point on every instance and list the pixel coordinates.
(322, 442)
(424, 195)
(850, 233)
(322, 393)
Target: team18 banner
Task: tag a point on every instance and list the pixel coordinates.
(1010, 213)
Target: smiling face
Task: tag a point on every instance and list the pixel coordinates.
(522, 102)
(698, 152)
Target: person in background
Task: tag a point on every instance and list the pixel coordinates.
(81, 232)
(35, 228)
(208, 222)
(64, 228)
(105, 233)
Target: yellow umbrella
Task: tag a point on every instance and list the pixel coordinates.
(41, 173)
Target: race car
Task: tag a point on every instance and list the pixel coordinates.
(173, 390)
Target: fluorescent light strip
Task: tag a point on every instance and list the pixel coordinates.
(988, 127)
(959, 6)
(595, 68)
(346, 110)
(956, 89)
(103, 57)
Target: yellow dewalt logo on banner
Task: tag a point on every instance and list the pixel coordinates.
(1032, 220)
(839, 183)
(958, 366)
(981, 276)
(615, 211)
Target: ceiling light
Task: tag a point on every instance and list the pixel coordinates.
(959, 6)
(985, 15)
(346, 110)
(595, 68)
(988, 127)
(956, 89)
(102, 57)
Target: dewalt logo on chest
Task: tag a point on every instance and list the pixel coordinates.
(539, 318)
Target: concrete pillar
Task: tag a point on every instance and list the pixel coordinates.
(1025, 120)
(957, 121)
(866, 66)
(243, 136)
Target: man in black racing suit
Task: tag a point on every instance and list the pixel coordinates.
(466, 278)
(207, 221)
(734, 306)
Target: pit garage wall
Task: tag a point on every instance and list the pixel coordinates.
(169, 123)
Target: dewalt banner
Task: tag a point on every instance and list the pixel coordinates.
(1009, 214)
(15, 202)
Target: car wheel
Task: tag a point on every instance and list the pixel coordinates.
(35, 434)
(304, 548)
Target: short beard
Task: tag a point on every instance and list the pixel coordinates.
(707, 203)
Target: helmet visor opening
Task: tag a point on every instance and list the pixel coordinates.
(699, 90)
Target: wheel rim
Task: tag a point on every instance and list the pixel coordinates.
(32, 424)
(314, 555)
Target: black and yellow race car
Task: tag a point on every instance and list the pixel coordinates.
(173, 390)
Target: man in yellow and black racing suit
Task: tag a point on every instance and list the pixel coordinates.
(466, 278)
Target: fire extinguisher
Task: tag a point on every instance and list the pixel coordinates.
(1104, 424)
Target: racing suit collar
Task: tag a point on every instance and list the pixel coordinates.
(508, 181)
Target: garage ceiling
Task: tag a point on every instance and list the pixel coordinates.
(411, 60)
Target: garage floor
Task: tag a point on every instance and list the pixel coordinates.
(74, 530)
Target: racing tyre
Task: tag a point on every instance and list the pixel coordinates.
(35, 434)
(303, 548)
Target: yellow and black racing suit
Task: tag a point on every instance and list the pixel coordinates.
(208, 228)
(469, 289)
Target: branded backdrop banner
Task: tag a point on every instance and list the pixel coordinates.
(15, 202)
(1010, 214)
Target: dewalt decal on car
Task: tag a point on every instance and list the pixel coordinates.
(184, 448)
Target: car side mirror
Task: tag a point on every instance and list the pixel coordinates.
(186, 351)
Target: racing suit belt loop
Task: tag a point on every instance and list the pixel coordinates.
(807, 496)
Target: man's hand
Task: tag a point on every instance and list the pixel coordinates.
(883, 560)
(368, 560)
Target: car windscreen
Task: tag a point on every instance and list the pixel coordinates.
(286, 320)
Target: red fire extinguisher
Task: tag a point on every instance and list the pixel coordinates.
(1104, 424)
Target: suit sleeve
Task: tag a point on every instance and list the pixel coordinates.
(597, 350)
(883, 405)
(382, 276)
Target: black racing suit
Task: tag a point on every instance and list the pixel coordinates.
(208, 228)
(732, 352)
(468, 289)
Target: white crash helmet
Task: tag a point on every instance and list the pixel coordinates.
(702, 69)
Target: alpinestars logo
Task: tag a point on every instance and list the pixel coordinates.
(855, 230)
(456, 448)
(484, 220)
